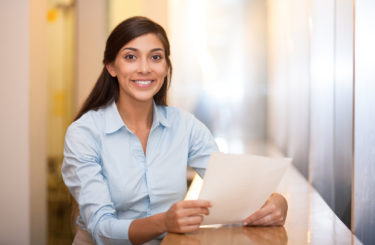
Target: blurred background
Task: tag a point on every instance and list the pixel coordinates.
(295, 75)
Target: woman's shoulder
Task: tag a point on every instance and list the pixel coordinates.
(180, 116)
(92, 121)
(175, 113)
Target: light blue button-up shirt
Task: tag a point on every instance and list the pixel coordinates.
(112, 179)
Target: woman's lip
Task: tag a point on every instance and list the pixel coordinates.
(143, 80)
(143, 83)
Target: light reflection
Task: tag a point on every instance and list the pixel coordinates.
(234, 146)
(222, 144)
(214, 33)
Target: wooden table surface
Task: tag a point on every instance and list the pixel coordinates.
(309, 221)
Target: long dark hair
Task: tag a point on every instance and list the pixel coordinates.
(106, 89)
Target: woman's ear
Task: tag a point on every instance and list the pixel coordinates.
(111, 69)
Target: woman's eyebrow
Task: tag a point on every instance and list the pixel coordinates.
(156, 49)
(129, 48)
(135, 50)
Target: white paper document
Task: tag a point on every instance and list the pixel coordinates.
(238, 185)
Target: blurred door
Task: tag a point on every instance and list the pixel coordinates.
(60, 48)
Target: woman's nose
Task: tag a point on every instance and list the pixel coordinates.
(143, 66)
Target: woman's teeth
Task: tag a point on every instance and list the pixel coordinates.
(143, 82)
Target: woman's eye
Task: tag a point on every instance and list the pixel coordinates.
(156, 57)
(130, 57)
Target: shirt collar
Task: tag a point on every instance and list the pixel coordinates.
(159, 116)
(114, 122)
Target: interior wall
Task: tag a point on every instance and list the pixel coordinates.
(14, 123)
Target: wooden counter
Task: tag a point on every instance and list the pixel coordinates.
(309, 221)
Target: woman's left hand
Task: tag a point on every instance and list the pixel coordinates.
(273, 212)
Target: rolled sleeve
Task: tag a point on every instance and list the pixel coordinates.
(83, 174)
(112, 231)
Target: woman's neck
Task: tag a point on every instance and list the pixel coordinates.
(136, 115)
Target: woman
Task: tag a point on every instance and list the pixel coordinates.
(126, 154)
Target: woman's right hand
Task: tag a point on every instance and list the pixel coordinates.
(186, 216)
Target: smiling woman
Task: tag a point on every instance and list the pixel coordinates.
(127, 153)
(125, 142)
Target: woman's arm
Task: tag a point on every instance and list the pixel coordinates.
(183, 216)
(83, 175)
(273, 212)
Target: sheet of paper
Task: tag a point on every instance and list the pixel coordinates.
(238, 185)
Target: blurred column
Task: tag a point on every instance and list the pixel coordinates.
(91, 33)
(23, 122)
(14, 130)
(38, 122)
(298, 99)
(364, 159)
(322, 98)
(278, 67)
(343, 109)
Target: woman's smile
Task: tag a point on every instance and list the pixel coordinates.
(143, 84)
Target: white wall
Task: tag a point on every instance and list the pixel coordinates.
(23, 122)
(14, 123)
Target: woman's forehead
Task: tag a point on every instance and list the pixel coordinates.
(147, 42)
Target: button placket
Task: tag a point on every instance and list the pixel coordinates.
(139, 156)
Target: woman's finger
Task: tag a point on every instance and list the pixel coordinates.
(194, 211)
(194, 204)
(190, 228)
(187, 224)
(264, 221)
(262, 212)
(275, 217)
(192, 220)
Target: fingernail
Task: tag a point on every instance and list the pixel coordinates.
(244, 224)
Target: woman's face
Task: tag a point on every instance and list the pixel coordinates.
(140, 68)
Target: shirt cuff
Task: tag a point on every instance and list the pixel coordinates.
(113, 231)
(120, 229)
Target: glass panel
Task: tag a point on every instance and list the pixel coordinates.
(299, 85)
(343, 115)
(364, 162)
(322, 99)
